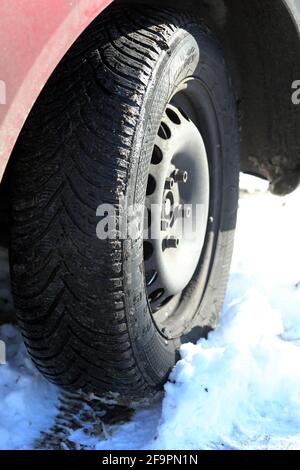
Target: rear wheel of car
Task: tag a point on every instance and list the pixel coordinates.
(124, 191)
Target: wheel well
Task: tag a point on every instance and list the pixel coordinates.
(261, 43)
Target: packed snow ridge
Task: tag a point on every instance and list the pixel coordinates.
(239, 389)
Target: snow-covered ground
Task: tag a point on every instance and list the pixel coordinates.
(239, 389)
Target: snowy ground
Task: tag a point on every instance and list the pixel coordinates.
(240, 389)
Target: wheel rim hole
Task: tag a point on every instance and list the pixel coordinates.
(156, 295)
(148, 250)
(166, 301)
(157, 156)
(164, 131)
(173, 116)
(151, 185)
(151, 277)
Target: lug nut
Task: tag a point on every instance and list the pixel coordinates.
(172, 242)
(169, 184)
(181, 176)
(165, 224)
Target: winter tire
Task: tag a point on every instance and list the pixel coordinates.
(142, 102)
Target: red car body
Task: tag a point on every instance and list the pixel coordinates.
(34, 36)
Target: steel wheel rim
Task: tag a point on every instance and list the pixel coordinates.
(178, 188)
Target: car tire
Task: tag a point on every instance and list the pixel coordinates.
(83, 305)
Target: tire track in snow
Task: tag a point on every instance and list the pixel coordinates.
(94, 420)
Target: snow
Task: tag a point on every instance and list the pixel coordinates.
(135, 434)
(250, 184)
(239, 389)
(27, 401)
